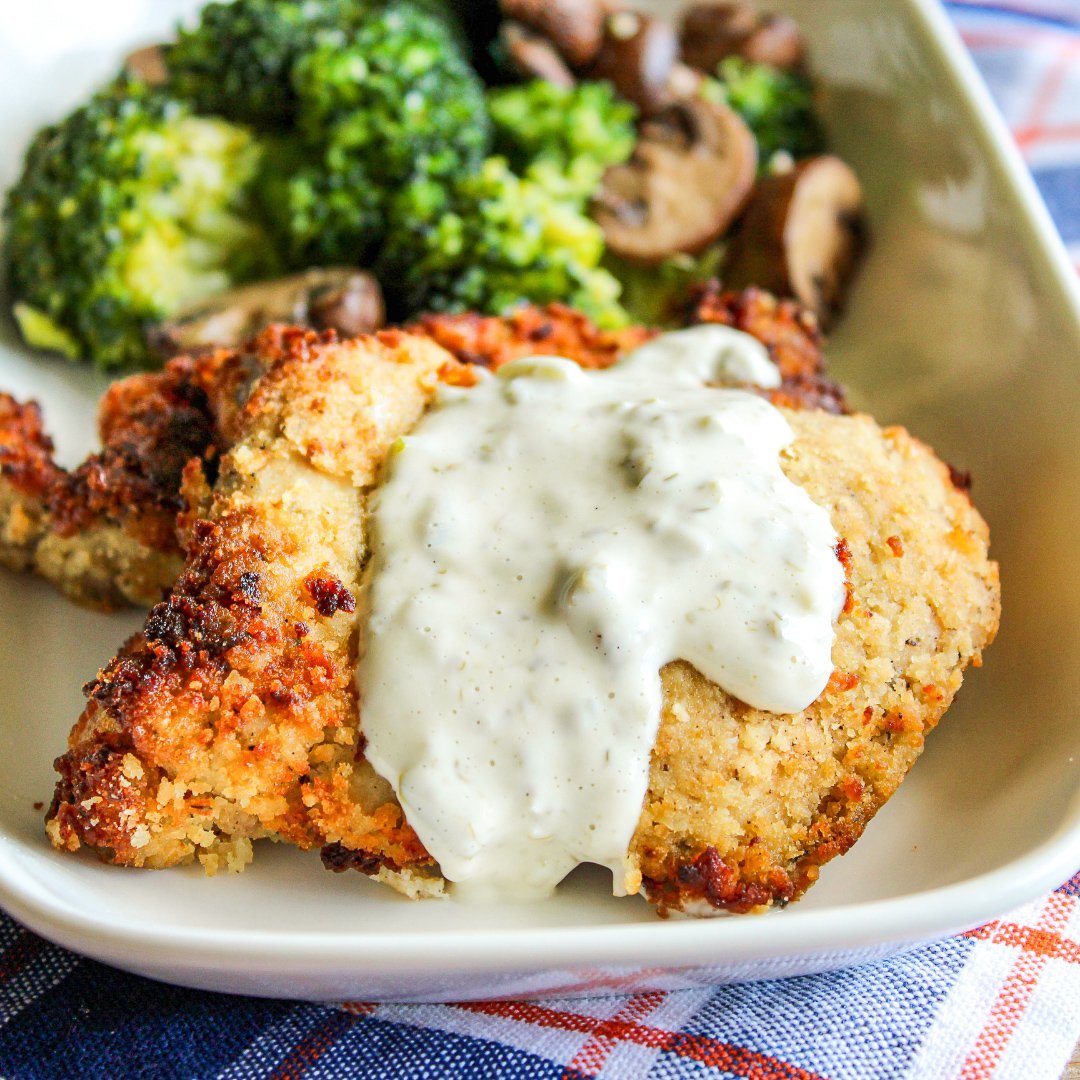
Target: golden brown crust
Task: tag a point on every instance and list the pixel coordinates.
(105, 532)
(27, 471)
(555, 330)
(234, 716)
(789, 332)
(151, 426)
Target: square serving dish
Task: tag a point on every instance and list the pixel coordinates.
(964, 327)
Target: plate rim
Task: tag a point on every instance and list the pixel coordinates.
(916, 917)
(922, 916)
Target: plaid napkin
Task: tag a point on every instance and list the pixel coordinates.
(999, 1001)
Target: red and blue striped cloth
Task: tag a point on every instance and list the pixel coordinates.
(999, 1001)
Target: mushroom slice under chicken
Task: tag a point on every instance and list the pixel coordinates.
(802, 235)
(342, 299)
(689, 176)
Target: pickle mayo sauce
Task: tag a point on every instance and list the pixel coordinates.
(543, 544)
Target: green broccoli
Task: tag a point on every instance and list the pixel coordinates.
(238, 61)
(398, 103)
(658, 295)
(564, 138)
(126, 210)
(778, 107)
(492, 241)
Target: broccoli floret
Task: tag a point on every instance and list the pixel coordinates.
(238, 61)
(492, 241)
(126, 210)
(563, 137)
(778, 107)
(396, 104)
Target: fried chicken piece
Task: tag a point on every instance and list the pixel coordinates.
(103, 533)
(234, 716)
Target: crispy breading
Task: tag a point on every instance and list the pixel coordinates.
(788, 331)
(553, 330)
(104, 533)
(233, 716)
(27, 471)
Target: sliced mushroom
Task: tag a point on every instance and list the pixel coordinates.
(689, 176)
(802, 235)
(148, 65)
(638, 55)
(533, 56)
(710, 32)
(574, 27)
(713, 31)
(345, 300)
(352, 305)
(778, 42)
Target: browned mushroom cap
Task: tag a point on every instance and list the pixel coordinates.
(148, 65)
(638, 55)
(802, 235)
(778, 42)
(712, 31)
(574, 27)
(533, 56)
(689, 175)
(345, 300)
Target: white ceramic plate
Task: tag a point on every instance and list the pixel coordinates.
(965, 326)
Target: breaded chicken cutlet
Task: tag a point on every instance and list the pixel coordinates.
(105, 532)
(233, 715)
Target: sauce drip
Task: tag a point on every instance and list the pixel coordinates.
(543, 544)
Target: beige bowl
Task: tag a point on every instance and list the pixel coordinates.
(964, 326)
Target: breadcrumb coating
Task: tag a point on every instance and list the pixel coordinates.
(233, 715)
(105, 532)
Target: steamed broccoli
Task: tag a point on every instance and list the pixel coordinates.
(398, 103)
(238, 61)
(778, 107)
(492, 241)
(126, 210)
(563, 137)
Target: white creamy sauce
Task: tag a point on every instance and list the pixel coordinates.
(543, 544)
(707, 354)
